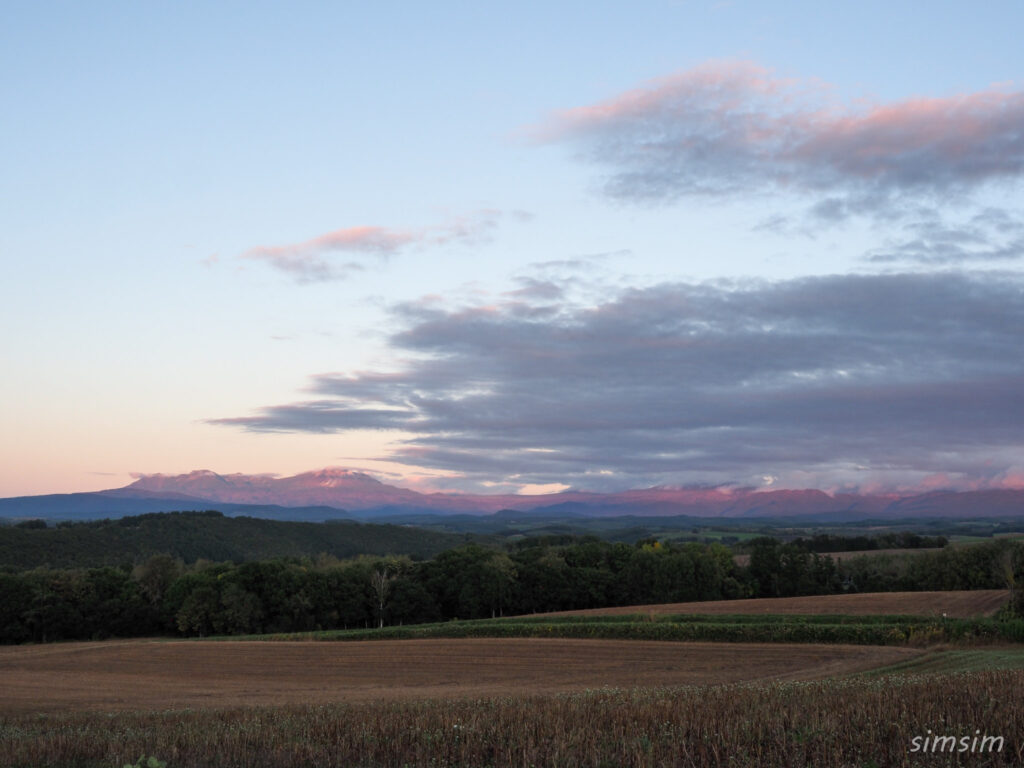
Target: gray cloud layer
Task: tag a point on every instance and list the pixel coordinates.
(991, 235)
(840, 379)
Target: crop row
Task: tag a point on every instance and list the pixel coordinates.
(784, 630)
(717, 618)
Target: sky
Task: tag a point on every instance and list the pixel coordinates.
(514, 247)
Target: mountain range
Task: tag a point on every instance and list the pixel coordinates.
(335, 493)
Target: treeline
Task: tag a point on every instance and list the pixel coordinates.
(193, 536)
(826, 542)
(990, 565)
(780, 570)
(164, 596)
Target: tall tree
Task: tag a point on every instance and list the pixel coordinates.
(381, 580)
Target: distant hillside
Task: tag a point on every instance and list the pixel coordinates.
(210, 535)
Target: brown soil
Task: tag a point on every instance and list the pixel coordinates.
(961, 605)
(160, 675)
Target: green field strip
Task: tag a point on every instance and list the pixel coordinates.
(946, 661)
(746, 629)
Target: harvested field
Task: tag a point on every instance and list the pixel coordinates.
(851, 722)
(964, 604)
(153, 674)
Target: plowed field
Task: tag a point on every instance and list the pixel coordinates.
(961, 605)
(160, 675)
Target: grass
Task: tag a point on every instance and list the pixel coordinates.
(855, 722)
(958, 538)
(946, 661)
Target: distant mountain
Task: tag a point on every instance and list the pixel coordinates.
(334, 487)
(995, 503)
(357, 491)
(343, 488)
(313, 496)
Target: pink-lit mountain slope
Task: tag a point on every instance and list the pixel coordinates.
(356, 491)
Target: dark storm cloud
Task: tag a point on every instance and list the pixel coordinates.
(681, 382)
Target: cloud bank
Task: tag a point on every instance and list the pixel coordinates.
(838, 381)
(729, 128)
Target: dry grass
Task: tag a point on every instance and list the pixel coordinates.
(963, 604)
(139, 675)
(830, 724)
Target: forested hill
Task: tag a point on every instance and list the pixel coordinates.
(209, 535)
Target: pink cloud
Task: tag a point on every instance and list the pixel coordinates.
(308, 262)
(736, 126)
(729, 84)
(1010, 480)
(359, 239)
(963, 138)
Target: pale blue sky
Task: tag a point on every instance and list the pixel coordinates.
(148, 146)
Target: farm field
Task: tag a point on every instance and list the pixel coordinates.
(955, 604)
(140, 674)
(550, 698)
(857, 722)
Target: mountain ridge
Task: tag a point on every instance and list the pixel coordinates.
(360, 494)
